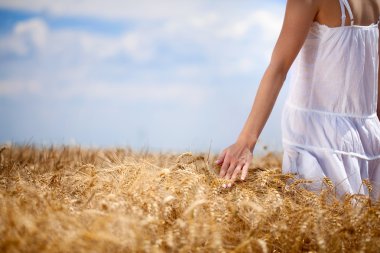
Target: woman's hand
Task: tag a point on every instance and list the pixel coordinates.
(235, 159)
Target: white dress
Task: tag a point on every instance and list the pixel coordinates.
(329, 122)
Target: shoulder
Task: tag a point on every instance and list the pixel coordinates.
(302, 7)
(306, 9)
(307, 3)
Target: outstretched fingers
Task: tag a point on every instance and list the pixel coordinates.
(230, 170)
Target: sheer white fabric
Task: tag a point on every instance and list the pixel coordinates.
(329, 122)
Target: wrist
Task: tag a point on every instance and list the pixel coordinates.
(247, 140)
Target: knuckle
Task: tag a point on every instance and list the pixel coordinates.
(234, 160)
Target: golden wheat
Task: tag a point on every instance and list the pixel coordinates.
(70, 199)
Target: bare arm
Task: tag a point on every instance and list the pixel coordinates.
(299, 16)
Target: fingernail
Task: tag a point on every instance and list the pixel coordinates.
(229, 185)
(217, 161)
(224, 185)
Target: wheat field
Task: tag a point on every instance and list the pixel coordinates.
(71, 199)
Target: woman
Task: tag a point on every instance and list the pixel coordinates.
(330, 122)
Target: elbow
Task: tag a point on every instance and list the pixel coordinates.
(279, 70)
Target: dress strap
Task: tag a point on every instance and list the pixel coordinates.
(343, 12)
(343, 4)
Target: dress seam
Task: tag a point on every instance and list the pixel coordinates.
(285, 141)
(331, 113)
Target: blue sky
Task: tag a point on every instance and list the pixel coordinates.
(164, 75)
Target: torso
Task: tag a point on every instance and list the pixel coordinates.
(329, 123)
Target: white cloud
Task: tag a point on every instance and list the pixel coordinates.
(170, 53)
(34, 35)
(34, 30)
(209, 33)
(13, 45)
(167, 93)
(137, 46)
(230, 43)
(180, 94)
(111, 9)
(16, 87)
(26, 36)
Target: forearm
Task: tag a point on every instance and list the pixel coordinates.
(298, 18)
(264, 101)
